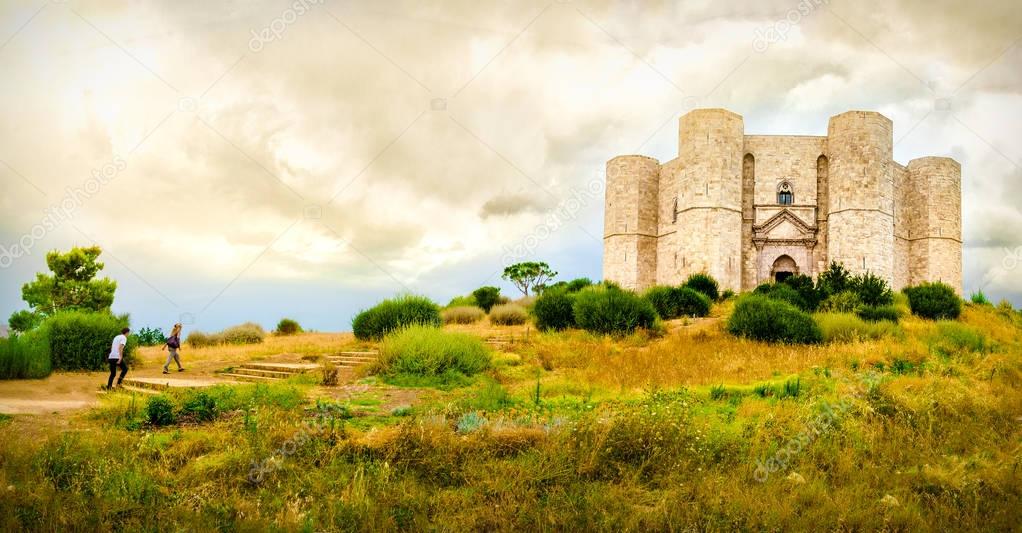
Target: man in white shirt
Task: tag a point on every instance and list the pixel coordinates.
(116, 358)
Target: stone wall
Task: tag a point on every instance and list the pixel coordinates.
(697, 212)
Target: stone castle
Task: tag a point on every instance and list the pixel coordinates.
(748, 209)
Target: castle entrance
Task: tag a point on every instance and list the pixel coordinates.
(784, 268)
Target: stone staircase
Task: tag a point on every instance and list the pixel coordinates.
(347, 362)
(268, 372)
(157, 385)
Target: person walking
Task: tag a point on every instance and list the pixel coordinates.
(116, 358)
(173, 344)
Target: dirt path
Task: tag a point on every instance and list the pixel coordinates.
(62, 391)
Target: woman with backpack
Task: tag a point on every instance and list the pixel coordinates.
(173, 344)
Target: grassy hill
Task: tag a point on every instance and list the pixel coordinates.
(917, 429)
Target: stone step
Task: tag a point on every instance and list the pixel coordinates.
(290, 368)
(262, 373)
(162, 384)
(358, 352)
(351, 360)
(250, 378)
(139, 390)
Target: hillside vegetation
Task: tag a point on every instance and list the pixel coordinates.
(914, 425)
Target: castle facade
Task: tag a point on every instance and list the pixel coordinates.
(748, 209)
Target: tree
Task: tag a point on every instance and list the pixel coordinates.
(70, 287)
(528, 274)
(486, 297)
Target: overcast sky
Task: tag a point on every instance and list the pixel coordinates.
(242, 160)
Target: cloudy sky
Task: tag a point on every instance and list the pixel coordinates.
(243, 160)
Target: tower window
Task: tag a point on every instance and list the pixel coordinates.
(674, 211)
(784, 194)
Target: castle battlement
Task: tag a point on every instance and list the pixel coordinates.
(753, 208)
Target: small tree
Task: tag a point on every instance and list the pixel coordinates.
(528, 274)
(71, 287)
(486, 297)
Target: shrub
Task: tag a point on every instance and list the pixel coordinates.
(426, 351)
(25, 356)
(673, 302)
(782, 292)
(287, 326)
(80, 340)
(872, 289)
(553, 310)
(160, 411)
(247, 333)
(150, 337)
(727, 295)
(199, 405)
(464, 314)
(705, 284)
(979, 298)
(393, 314)
(462, 301)
(841, 302)
(198, 339)
(846, 327)
(578, 284)
(876, 314)
(612, 311)
(486, 297)
(759, 317)
(934, 301)
(806, 289)
(833, 280)
(508, 315)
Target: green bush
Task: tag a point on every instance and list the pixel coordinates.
(705, 284)
(508, 315)
(150, 337)
(553, 310)
(486, 297)
(288, 326)
(846, 327)
(198, 405)
(80, 340)
(807, 290)
(872, 290)
(979, 298)
(833, 280)
(612, 311)
(462, 301)
(760, 317)
(673, 302)
(782, 292)
(420, 350)
(160, 411)
(393, 314)
(876, 314)
(26, 356)
(463, 314)
(934, 301)
(841, 302)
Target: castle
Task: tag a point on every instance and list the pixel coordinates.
(748, 209)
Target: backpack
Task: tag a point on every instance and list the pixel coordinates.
(174, 342)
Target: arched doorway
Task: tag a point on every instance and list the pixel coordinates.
(784, 267)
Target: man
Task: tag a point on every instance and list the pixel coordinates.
(116, 358)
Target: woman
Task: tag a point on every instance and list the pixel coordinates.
(173, 344)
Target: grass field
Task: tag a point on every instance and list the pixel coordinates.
(919, 429)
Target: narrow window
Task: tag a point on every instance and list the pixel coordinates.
(674, 212)
(784, 194)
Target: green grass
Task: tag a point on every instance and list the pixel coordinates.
(847, 327)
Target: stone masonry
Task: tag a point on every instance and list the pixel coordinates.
(748, 209)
